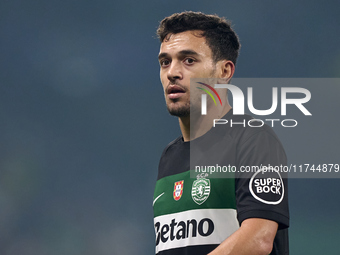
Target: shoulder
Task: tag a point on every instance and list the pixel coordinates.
(244, 128)
(176, 142)
(175, 158)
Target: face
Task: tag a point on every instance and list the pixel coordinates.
(183, 56)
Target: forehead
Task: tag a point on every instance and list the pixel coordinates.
(188, 40)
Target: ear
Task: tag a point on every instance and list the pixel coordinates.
(227, 68)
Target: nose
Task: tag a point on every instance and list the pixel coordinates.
(175, 72)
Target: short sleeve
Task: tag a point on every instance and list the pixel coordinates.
(261, 183)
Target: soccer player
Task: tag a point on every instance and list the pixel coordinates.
(247, 214)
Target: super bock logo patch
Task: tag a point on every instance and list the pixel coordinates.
(200, 190)
(178, 190)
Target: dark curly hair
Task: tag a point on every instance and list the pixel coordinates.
(219, 35)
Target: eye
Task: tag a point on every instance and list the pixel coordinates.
(189, 61)
(164, 62)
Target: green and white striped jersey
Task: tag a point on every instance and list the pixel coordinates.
(194, 215)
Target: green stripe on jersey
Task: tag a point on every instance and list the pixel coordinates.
(221, 195)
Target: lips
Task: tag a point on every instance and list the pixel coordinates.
(175, 91)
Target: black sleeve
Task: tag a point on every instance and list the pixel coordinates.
(261, 183)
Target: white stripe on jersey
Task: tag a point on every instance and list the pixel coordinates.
(194, 227)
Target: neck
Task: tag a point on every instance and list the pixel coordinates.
(200, 124)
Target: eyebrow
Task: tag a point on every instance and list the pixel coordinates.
(181, 53)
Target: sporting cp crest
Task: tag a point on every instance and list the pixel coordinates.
(178, 190)
(200, 190)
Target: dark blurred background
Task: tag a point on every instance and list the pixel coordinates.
(83, 119)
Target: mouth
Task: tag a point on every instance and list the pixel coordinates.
(175, 91)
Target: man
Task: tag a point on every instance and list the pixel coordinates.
(213, 215)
